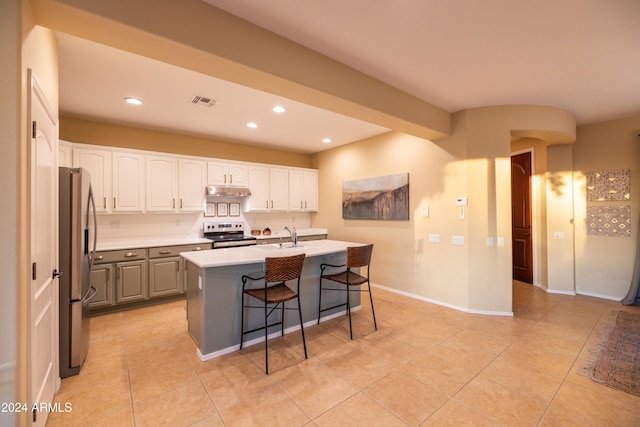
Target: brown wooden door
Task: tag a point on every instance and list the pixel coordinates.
(521, 217)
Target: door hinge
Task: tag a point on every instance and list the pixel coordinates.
(34, 128)
(33, 271)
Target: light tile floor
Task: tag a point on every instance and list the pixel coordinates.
(426, 365)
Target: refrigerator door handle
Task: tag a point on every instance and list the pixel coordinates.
(92, 204)
(86, 297)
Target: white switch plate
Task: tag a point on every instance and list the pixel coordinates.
(424, 211)
(558, 235)
(500, 241)
(461, 201)
(434, 238)
(457, 240)
(489, 241)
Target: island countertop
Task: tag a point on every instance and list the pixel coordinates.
(258, 253)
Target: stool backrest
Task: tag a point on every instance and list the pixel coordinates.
(281, 269)
(359, 256)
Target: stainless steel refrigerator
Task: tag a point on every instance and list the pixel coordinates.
(77, 235)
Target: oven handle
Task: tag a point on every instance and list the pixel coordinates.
(233, 244)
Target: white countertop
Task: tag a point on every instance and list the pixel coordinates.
(149, 242)
(257, 254)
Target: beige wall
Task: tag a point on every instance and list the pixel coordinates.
(473, 162)
(100, 133)
(604, 265)
(23, 46)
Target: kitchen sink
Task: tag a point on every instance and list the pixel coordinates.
(275, 247)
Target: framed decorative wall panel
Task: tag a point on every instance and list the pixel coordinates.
(609, 221)
(608, 185)
(381, 198)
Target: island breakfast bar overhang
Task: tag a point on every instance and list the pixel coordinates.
(214, 292)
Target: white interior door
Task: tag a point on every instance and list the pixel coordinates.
(43, 294)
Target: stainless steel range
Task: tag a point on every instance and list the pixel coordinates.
(227, 234)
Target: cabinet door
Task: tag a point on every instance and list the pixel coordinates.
(131, 281)
(161, 184)
(191, 182)
(165, 277)
(259, 185)
(101, 280)
(279, 189)
(310, 190)
(65, 154)
(238, 174)
(98, 163)
(217, 173)
(128, 182)
(296, 190)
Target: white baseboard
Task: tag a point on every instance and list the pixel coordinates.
(607, 297)
(227, 350)
(444, 304)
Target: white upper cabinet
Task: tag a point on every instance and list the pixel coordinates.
(175, 184)
(162, 184)
(65, 154)
(128, 182)
(98, 163)
(227, 173)
(303, 190)
(192, 179)
(269, 188)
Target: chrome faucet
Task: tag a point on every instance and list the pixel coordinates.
(294, 235)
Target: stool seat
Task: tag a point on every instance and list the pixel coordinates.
(273, 294)
(348, 278)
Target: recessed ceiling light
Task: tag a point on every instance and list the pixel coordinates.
(279, 109)
(134, 101)
(326, 140)
(252, 125)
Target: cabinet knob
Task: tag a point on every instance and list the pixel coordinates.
(130, 254)
(165, 252)
(99, 258)
(197, 249)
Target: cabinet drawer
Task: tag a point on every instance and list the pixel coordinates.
(116, 256)
(167, 251)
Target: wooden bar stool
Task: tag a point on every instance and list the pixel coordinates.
(274, 294)
(357, 256)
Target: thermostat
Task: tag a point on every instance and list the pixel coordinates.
(461, 201)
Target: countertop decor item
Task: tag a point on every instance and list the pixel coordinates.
(255, 232)
(266, 231)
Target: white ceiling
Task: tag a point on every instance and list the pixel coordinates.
(579, 55)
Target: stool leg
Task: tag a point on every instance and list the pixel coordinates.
(266, 340)
(349, 312)
(241, 319)
(375, 325)
(319, 297)
(304, 342)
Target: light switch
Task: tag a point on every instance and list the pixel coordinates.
(434, 238)
(558, 235)
(424, 211)
(489, 241)
(457, 240)
(500, 241)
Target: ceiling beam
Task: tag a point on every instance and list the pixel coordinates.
(194, 35)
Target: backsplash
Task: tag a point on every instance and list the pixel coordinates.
(120, 226)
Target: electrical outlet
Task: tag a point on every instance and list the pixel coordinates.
(434, 238)
(457, 240)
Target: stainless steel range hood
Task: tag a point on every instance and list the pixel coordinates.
(222, 191)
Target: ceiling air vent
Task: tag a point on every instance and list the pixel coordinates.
(204, 101)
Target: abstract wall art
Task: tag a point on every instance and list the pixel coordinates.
(612, 221)
(378, 198)
(608, 185)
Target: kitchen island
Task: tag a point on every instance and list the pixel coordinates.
(214, 287)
